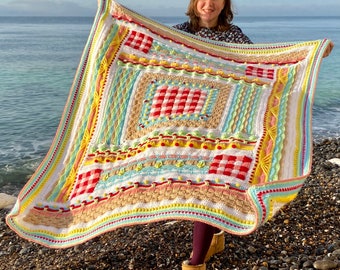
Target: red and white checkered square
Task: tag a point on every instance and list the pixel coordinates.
(234, 166)
(177, 101)
(139, 41)
(86, 182)
(260, 72)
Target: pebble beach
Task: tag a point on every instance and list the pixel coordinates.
(304, 235)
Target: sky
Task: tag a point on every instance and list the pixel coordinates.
(169, 8)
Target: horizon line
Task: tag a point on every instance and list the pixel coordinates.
(167, 16)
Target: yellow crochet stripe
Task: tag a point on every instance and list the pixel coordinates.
(304, 88)
(61, 148)
(265, 152)
(102, 75)
(142, 60)
(284, 199)
(91, 59)
(139, 211)
(115, 156)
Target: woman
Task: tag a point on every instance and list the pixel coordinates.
(212, 19)
(209, 19)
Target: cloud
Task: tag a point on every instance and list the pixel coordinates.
(44, 8)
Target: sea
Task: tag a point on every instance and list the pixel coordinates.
(39, 57)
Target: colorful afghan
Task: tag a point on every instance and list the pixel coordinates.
(162, 125)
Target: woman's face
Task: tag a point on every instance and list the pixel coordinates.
(208, 11)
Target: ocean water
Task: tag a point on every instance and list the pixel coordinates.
(39, 57)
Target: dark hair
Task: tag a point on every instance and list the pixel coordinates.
(224, 19)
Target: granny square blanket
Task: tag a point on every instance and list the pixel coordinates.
(162, 125)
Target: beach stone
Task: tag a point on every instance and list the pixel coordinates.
(307, 264)
(289, 259)
(3, 253)
(336, 252)
(14, 248)
(252, 250)
(325, 264)
(319, 251)
(7, 201)
(24, 251)
(274, 262)
(335, 161)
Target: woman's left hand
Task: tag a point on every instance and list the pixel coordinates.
(328, 49)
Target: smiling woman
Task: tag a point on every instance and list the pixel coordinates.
(210, 19)
(208, 11)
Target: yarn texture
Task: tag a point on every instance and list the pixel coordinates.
(163, 125)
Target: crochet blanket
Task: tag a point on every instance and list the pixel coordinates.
(162, 125)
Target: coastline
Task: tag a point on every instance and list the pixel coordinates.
(304, 235)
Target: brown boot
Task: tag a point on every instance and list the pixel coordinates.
(216, 245)
(187, 266)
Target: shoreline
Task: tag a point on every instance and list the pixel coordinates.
(304, 234)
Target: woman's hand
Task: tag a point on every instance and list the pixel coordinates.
(328, 49)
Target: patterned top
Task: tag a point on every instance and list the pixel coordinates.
(233, 35)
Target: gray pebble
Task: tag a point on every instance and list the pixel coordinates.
(336, 253)
(325, 265)
(252, 250)
(3, 253)
(275, 262)
(24, 251)
(307, 264)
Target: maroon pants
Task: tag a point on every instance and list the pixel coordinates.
(203, 234)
